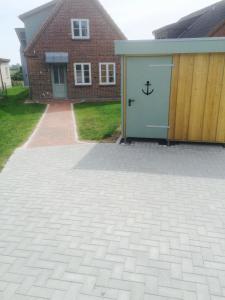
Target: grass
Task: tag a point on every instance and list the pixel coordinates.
(16, 121)
(98, 121)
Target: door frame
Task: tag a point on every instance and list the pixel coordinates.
(65, 81)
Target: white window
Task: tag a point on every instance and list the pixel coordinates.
(82, 74)
(107, 73)
(80, 29)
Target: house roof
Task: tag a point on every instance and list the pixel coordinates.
(109, 18)
(56, 8)
(21, 33)
(37, 9)
(4, 60)
(44, 26)
(198, 24)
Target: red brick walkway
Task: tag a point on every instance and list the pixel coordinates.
(56, 127)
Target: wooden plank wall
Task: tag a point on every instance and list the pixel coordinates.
(197, 100)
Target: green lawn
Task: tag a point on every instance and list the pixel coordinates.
(16, 121)
(98, 121)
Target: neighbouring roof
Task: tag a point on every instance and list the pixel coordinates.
(4, 60)
(198, 24)
(37, 9)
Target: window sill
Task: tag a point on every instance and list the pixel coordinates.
(83, 84)
(80, 38)
(107, 84)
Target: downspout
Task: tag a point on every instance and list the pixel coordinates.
(26, 59)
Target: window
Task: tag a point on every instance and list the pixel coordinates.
(80, 29)
(82, 73)
(107, 73)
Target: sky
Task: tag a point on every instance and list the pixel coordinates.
(136, 18)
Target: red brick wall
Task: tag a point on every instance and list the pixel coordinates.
(57, 37)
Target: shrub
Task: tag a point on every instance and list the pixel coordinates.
(18, 76)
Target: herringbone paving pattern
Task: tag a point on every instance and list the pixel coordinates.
(108, 222)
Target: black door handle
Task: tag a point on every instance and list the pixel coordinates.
(130, 101)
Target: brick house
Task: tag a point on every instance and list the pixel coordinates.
(67, 50)
(207, 22)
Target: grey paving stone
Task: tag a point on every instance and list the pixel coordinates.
(102, 221)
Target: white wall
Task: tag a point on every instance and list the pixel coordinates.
(5, 75)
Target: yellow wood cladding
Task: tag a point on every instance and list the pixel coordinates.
(197, 100)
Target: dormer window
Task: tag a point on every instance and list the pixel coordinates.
(80, 29)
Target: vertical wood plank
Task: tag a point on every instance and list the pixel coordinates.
(184, 96)
(213, 96)
(220, 135)
(173, 96)
(200, 76)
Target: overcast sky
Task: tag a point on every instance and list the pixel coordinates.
(136, 18)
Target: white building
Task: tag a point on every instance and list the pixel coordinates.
(5, 79)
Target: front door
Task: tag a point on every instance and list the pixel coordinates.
(148, 93)
(59, 81)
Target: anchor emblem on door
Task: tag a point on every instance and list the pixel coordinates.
(148, 90)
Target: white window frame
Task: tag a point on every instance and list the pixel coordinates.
(82, 69)
(107, 73)
(80, 37)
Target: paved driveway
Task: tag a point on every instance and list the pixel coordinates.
(113, 222)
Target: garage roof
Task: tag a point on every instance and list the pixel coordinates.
(170, 46)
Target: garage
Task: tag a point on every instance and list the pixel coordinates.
(173, 89)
